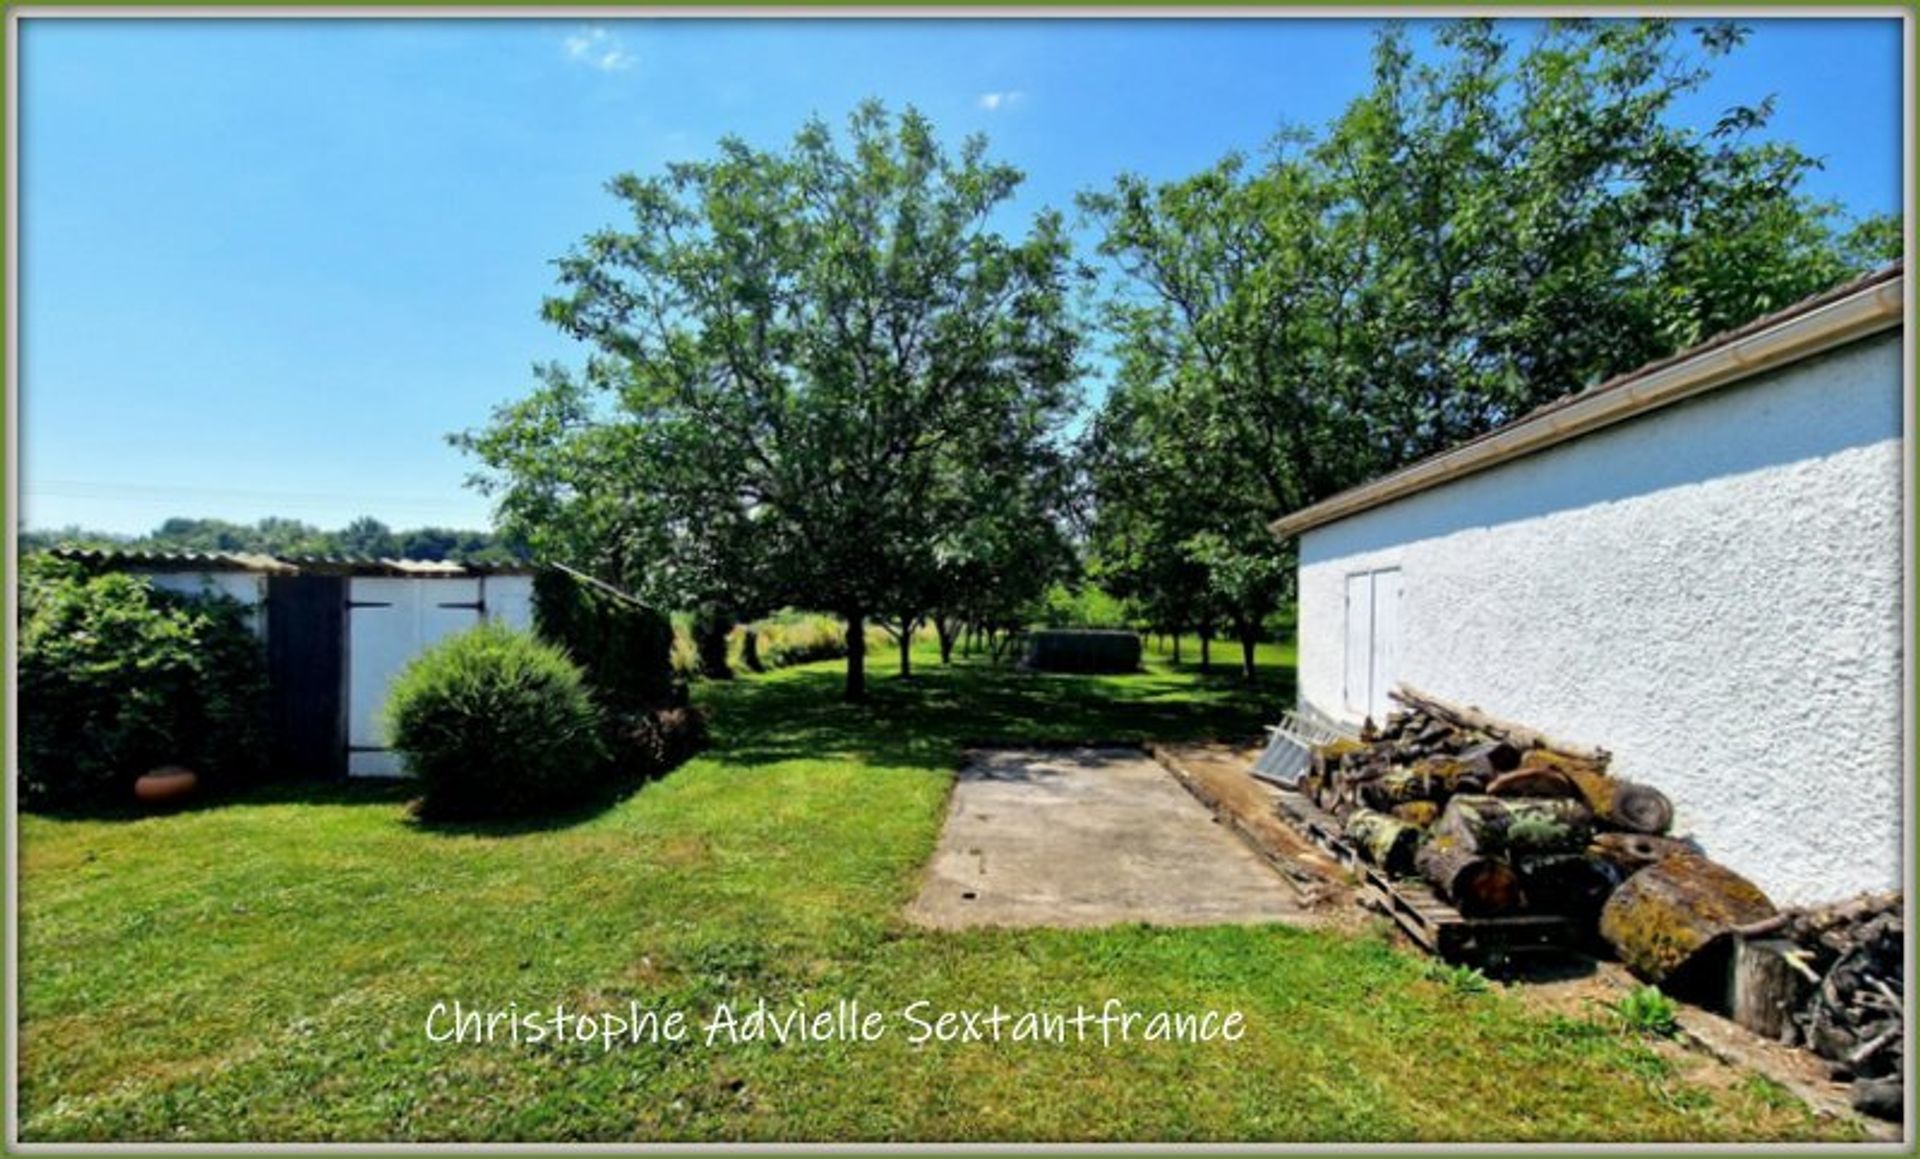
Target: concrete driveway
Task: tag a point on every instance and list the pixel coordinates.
(1089, 837)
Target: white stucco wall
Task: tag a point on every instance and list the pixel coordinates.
(250, 588)
(1712, 591)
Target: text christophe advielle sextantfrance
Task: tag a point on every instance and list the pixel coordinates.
(1108, 1024)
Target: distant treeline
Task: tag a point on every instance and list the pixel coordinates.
(278, 536)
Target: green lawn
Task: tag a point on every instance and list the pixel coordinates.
(263, 970)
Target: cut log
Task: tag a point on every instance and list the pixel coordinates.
(1419, 814)
(1330, 756)
(1387, 842)
(1558, 761)
(1474, 720)
(1626, 805)
(1881, 1098)
(1575, 885)
(1767, 989)
(1398, 788)
(1671, 924)
(1533, 783)
(1632, 852)
(1428, 779)
(1493, 827)
(1477, 886)
(1491, 758)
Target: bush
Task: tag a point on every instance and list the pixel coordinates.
(624, 647)
(684, 657)
(650, 744)
(496, 723)
(117, 677)
(803, 640)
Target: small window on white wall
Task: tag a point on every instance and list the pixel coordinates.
(1373, 640)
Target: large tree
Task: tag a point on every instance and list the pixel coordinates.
(797, 354)
(1483, 230)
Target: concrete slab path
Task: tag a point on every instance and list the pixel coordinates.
(1089, 837)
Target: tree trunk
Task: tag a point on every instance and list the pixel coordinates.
(1671, 924)
(1206, 652)
(750, 650)
(906, 649)
(943, 627)
(1248, 638)
(710, 631)
(1477, 886)
(856, 657)
(1176, 645)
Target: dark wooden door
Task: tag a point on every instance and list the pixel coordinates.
(306, 649)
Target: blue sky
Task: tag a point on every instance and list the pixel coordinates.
(268, 265)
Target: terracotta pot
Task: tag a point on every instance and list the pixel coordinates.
(165, 786)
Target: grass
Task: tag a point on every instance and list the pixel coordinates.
(264, 969)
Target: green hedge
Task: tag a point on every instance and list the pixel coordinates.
(625, 647)
(117, 677)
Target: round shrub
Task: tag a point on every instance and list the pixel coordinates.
(495, 723)
(117, 677)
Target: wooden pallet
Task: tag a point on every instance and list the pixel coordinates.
(1438, 927)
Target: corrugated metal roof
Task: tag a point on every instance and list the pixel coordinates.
(176, 560)
(282, 565)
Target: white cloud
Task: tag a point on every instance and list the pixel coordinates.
(994, 102)
(597, 48)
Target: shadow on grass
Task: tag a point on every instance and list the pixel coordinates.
(359, 791)
(596, 800)
(924, 722)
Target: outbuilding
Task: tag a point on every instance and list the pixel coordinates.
(1698, 566)
(337, 631)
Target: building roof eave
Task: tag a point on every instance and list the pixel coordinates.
(1856, 310)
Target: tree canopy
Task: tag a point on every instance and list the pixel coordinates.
(823, 375)
(818, 375)
(1483, 230)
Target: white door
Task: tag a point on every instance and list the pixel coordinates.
(1385, 662)
(1358, 685)
(1373, 641)
(389, 621)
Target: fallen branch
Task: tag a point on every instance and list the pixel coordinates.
(1474, 720)
(1872, 1048)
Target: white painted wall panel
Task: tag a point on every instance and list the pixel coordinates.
(510, 600)
(1712, 591)
(247, 587)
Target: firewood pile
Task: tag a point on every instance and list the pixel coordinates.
(1501, 820)
(1830, 979)
(1498, 818)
